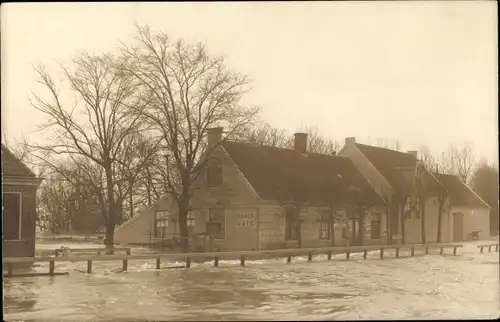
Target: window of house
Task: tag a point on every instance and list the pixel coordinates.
(11, 215)
(324, 226)
(217, 218)
(375, 225)
(291, 223)
(161, 223)
(214, 176)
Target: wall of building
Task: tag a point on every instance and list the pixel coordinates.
(475, 219)
(413, 225)
(368, 170)
(26, 246)
(137, 230)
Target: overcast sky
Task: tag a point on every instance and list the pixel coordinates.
(424, 73)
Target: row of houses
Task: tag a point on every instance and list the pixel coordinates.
(253, 197)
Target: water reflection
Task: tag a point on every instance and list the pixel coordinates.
(19, 297)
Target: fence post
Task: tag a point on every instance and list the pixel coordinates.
(51, 267)
(413, 251)
(329, 255)
(365, 252)
(9, 269)
(441, 251)
(426, 250)
(347, 254)
(216, 261)
(289, 259)
(455, 250)
(242, 261)
(309, 256)
(89, 267)
(188, 262)
(397, 252)
(381, 253)
(158, 263)
(125, 265)
(128, 251)
(481, 249)
(489, 248)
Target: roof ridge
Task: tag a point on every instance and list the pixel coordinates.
(256, 145)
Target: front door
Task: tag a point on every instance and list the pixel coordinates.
(458, 227)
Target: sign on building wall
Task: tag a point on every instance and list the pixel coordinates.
(245, 221)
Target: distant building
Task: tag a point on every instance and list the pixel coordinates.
(19, 187)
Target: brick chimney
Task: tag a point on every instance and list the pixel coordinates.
(214, 135)
(300, 143)
(350, 141)
(414, 153)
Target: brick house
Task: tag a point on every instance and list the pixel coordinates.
(19, 187)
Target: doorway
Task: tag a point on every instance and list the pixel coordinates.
(458, 227)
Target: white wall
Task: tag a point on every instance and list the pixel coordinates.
(136, 230)
(474, 219)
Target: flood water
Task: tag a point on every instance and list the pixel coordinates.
(421, 287)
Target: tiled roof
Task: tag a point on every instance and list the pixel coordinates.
(287, 175)
(13, 167)
(387, 161)
(390, 163)
(459, 193)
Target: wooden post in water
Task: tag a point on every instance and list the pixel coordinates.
(310, 256)
(216, 261)
(289, 259)
(455, 250)
(158, 262)
(242, 261)
(188, 262)
(397, 252)
(347, 255)
(381, 253)
(329, 255)
(365, 253)
(51, 267)
(125, 265)
(89, 267)
(413, 251)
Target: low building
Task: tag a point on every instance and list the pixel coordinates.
(19, 187)
(467, 215)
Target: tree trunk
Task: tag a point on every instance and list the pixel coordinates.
(403, 222)
(111, 218)
(183, 212)
(332, 227)
(422, 217)
(440, 218)
(361, 227)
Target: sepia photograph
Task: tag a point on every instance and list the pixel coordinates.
(250, 161)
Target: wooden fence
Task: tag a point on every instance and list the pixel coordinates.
(481, 247)
(217, 256)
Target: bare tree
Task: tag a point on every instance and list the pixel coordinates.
(459, 161)
(265, 134)
(320, 144)
(95, 128)
(188, 91)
